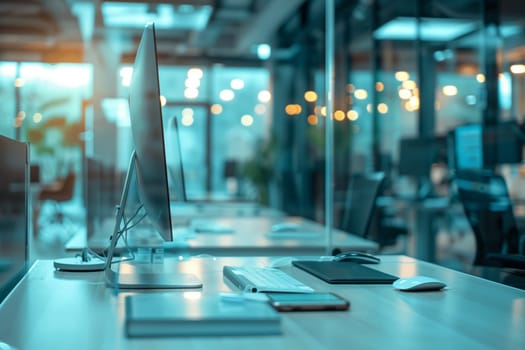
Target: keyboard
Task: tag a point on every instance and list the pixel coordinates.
(263, 279)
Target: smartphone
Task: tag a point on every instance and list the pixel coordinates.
(307, 301)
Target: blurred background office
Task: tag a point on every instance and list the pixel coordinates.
(421, 89)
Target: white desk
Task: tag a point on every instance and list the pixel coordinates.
(59, 310)
(250, 238)
(190, 210)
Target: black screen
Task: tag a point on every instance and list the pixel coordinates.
(14, 184)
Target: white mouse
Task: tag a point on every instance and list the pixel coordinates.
(418, 283)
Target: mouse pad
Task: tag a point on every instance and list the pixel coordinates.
(336, 272)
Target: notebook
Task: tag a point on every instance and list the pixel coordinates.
(336, 272)
(173, 314)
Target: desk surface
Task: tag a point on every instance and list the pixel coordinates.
(60, 310)
(250, 237)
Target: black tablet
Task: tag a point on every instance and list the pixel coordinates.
(336, 272)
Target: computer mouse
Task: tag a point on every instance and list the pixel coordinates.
(285, 227)
(418, 283)
(358, 257)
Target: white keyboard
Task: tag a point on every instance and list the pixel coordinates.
(263, 279)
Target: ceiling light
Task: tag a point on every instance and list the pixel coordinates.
(165, 16)
(430, 29)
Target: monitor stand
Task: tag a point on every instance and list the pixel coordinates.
(136, 278)
(78, 264)
(83, 262)
(151, 280)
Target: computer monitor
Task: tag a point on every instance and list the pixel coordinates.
(147, 170)
(477, 146)
(14, 212)
(416, 155)
(502, 144)
(467, 146)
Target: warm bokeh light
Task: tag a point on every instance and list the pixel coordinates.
(517, 68)
(187, 120)
(380, 86)
(195, 73)
(339, 115)
(310, 96)
(191, 93)
(382, 108)
(247, 120)
(450, 90)
(237, 84)
(163, 101)
(259, 108)
(216, 109)
(360, 94)
(402, 75)
(323, 111)
(227, 95)
(192, 83)
(312, 119)
(480, 78)
(409, 84)
(187, 113)
(264, 96)
(414, 101)
(412, 104)
(19, 119)
(37, 118)
(19, 82)
(293, 109)
(369, 108)
(404, 94)
(352, 115)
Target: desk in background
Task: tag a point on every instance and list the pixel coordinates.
(250, 238)
(203, 209)
(61, 310)
(421, 214)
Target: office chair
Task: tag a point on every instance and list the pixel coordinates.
(360, 203)
(59, 191)
(488, 208)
